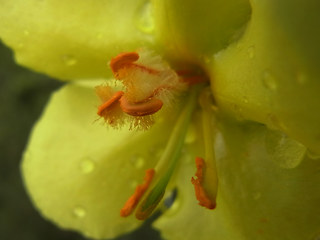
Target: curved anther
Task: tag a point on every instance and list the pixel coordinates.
(115, 97)
(122, 60)
(200, 191)
(143, 108)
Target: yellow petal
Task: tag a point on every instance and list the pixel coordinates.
(259, 196)
(271, 75)
(78, 172)
(191, 29)
(75, 38)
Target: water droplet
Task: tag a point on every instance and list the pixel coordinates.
(26, 32)
(133, 184)
(87, 165)
(137, 161)
(99, 36)
(285, 151)
(20, 45)
(302, 78)
(144, 18)
(69, 60)
(251, 52)
(79, 212)
(239, 111)
(311, 154)
(269, 80)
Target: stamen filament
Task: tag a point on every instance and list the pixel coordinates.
(170, 156)
(132, 202)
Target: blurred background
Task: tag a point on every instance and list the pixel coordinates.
(23, 95)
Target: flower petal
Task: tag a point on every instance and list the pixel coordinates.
(272, 74)
(75, 38)
(192, 29)
(78, 172)
(260, 196)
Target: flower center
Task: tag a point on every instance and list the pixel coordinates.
(149, 85)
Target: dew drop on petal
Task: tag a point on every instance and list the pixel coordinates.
(20, 45)
(285, 151)
(269, 80)
(69, 60)
(99, 36)
(87, 165)
(26, 32)
(239, 111)
(138, 161)
(79, 212)
(251, 52)
(133, 184)
(144, 18)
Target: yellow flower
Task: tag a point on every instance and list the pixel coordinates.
(262, 59)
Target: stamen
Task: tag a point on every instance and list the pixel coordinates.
(122, 60)
(200, 192)
(144, 108)
(115, 97)
(206, 186)
(170, 157)
(132, 202)
(148, 84)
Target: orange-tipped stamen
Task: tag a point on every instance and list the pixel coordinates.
(122, 60)
(132, 202)
(115, 97)
(144, 108)
(200, 192)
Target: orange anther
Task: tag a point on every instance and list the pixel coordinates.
(116, 96)
(200, 192)
(122, 60)
(132, 202)
(143, 108)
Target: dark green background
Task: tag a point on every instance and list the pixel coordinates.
(23, 95)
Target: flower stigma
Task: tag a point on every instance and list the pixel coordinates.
(148, 86)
